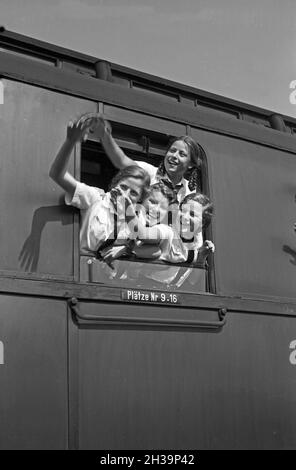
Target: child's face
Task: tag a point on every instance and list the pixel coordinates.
(156, 206)
(177, 159)
(190, 219)
(132, 188)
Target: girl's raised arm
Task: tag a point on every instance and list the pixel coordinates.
(114, 152)
(76, 132)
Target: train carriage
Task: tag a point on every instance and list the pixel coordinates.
(91, 360)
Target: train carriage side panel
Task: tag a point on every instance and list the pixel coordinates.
(151, 388)
(253, 188)
(111, 382)
(36, 233)
(34, 373)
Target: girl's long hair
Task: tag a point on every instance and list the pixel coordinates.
(197, 157)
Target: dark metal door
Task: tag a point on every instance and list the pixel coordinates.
(150, 386)
(33, 375)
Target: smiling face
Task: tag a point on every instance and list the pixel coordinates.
(191, 219)
(177, 160)
(156, 206)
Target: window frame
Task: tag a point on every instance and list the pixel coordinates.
(133, 122)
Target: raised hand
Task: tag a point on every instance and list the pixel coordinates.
(204, 251)
(208, 246)
(103, 127)
(122, 202)
(79, 130)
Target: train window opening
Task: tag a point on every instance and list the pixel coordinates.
(83, 70)
(156, 91)
(217, 109)
(130, 270)
(41, 58)
(256, 119)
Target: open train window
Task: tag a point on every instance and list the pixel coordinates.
(97, 170)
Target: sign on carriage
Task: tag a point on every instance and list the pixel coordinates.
(150, 296)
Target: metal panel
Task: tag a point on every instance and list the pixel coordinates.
(36, 233)
(32, 46)
(253, 189)
(151, 388)
(61, 289)
(143, 121)
(33, 379)
(112, 93)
